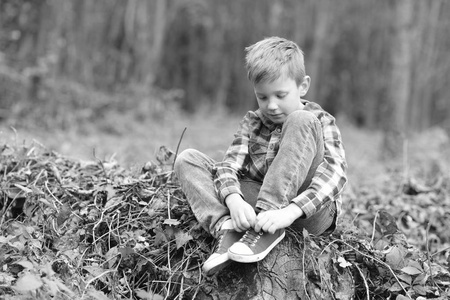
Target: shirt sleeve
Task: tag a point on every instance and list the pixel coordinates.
(330, 177)
(234, 165)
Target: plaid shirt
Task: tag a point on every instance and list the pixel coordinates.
(258, 134)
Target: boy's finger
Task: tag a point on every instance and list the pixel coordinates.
(258, 226)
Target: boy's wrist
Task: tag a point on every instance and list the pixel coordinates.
(231, 198)
(295, 211)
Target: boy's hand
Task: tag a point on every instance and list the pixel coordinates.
(272, 220)
(242, 214)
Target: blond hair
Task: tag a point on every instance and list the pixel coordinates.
(272, 57)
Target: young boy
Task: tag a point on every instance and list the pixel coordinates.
(285, 167)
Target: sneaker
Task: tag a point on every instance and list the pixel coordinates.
(254, 246)
(219, 259)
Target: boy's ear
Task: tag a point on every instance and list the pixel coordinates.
(304, 86)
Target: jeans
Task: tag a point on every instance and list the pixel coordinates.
(290, 173)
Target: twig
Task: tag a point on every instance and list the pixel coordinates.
(365, 281)
(178, 147)
(303, 267)
(440, 251)
(95, 278)
(380, 262)
(428, 254)
(15, 134)
(405, 160)
(427, 246)
(373, 230)
(170, 269)
(100, 163)
(168, 204)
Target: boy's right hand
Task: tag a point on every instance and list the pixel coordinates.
(242, 214)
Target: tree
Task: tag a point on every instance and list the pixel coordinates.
(396, 129)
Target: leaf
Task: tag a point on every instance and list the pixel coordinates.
(6, 279)
(52, 286)
(160, 237)
(396, 257)
(411, 270)
(415, 264)
(421, 279)
(165, 155)
(63, 215)
(4, 240)
(387, 223)
(98, 295)
(126, 251)
(172, 222)
(401, 297)
(94, 270)
(421, 290)
(148, 295)
(395, 287)
(24, 189)
(405, 278)
(343, 263)
(110, 191)
(26, 264)
(28, 282)
(113, 202)
(181, 238)
(111, 256)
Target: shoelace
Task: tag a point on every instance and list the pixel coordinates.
(219, 242)
(251, 237)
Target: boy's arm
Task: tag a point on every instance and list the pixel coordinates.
(228, 171)
(330, 177)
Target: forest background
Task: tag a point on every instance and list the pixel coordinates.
(84, 75)
(113, 80)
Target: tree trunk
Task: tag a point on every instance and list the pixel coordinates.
(397, 128)
(317, 57)
(159, 36)
(289, 272)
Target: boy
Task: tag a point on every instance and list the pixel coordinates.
(285, 167)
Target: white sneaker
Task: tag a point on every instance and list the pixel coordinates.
(219, 259)
(254, 246)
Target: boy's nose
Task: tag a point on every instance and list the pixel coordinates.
(272, 105)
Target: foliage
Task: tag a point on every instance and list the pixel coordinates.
(88, 229)
(94, 230)
(197, 46)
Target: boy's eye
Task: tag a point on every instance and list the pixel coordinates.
(281, 96)
(262, 97)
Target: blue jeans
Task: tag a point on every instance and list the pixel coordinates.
(300, 153)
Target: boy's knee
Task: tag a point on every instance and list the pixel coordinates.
(302, 118)
(184, 157)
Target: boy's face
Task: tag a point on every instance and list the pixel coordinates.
(279, 98)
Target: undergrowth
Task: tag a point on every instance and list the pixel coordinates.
(75, 229)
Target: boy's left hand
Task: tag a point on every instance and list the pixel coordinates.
(272, 220)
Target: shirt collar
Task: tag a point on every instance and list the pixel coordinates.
(271, 125)
(266, 121)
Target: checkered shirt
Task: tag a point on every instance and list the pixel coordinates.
(256, 132)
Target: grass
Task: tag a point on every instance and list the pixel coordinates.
(133, 142)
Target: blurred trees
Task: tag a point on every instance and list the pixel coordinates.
(376, 62)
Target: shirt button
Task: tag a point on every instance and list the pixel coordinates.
(271, 147)
(278, 130)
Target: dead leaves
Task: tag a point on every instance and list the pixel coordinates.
(112, 232)
(76, 229)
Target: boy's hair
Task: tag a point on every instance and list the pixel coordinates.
(269, 58)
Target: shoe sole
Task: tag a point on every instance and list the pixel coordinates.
(217, 268)
(216, 265)
(255, 257)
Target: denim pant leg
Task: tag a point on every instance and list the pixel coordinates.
(323, 221)
(301, 152)
(194, 172)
